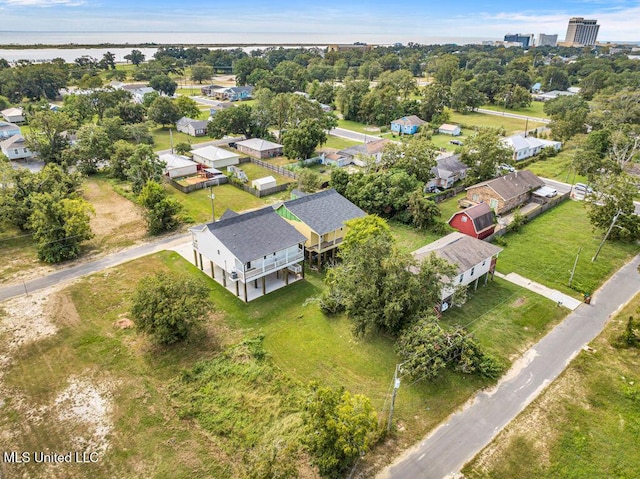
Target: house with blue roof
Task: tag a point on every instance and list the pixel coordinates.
(407, 125)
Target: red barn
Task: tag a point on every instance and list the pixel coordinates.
(476, 221)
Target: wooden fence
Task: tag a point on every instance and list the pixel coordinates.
(278, 169)
(261, 193)
(196, 186)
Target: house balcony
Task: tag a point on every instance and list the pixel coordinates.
(325, 245)
(266, 268)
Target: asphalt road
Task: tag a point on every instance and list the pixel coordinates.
(352, 135)
(463, 435)
(84, 269)
(513, 115)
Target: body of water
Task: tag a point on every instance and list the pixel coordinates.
(256, 40)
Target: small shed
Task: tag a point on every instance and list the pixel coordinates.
(13, 115)
(177, 166)
(265, 183)
(447, 129)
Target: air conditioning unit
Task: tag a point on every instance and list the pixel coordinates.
(234, 275)
(445, 306)
(295, 268)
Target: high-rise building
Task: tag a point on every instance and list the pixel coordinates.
(525, 40)
(545, 40)
(581, 32)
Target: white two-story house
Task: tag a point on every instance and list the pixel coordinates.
(250, 254)
(473, 258)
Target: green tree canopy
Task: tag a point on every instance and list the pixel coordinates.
(163, 111)
(167, 306)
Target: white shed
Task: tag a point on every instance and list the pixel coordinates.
(447, 129)
(215, 157)
(264, 183)
(177, 166)
(13, 115)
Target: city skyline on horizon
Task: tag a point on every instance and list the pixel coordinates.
(618, 20)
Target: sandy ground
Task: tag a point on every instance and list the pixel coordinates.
(83, 405)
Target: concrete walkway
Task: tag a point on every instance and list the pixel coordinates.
(447, 448)
(542, 290)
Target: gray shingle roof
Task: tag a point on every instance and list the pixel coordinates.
(481, 215)
(325, 211)
(459, 249)
(447, 166)
(255, 234)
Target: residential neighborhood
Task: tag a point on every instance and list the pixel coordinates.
(314, 261)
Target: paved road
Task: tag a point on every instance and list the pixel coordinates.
(83, 269)
(561, 187)
(513, 115)
(352, 135)
(446, 450)
(223, 142)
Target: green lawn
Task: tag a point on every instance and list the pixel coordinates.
(254, 172)
(585, 425)
(162, 138)
(148, 435)
(559, 167)
(442, 141)
(197, 204)
(359, 127)
(546, 248)
(450, 206)
(18, 252)
(339, 143)
(535, 109)
(409, 238)
(475, 119)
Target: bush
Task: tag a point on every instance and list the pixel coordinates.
(500, 241)
(168, 306)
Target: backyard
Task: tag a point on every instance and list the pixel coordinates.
(476, 120)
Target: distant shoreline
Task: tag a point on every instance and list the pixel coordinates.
(76, 46)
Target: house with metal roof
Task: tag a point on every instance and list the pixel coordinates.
(13, 115)
(476, 221)
(407, 125)
(447, 129)
(321, 218)
(474, 259)
(192, 127)
(15, 148)
(259, 148)
(505, 193)
(177, 166)
(527, 146)
(215, 157)
(357, 155)
(250, 254)
(7, 130)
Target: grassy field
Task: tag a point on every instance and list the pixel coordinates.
(162, 138)
(559, 167)
(475, 119)
(197, 204)
(546, 248)
(585, 425)
(18, 253)
(254, 172)
(442, 141)
(146, 402)
(359, 127)
(450, 206)
(409, 238)
(535, 109)
(339, 143)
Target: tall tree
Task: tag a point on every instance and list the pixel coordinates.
(47, 134)
(483, 153)
(136, 57)
(144, 166)
(417, 157)
(300, 142)
(187, 107)
(160, 209)
(614, 194)
(163, 111)
(163, 84)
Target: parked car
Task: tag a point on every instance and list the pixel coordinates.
(456, 142)
(583, 187)
(506, 167)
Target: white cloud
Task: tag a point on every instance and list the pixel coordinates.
(43, 3)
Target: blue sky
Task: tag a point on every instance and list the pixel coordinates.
(619, 19)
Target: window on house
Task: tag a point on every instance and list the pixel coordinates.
(15, 152)
(483, 263)
(464, 219)
(218, 252)
(472, 270)
(475, 197)
(461, 277)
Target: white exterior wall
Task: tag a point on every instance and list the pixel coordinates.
(182, 171)
(467, 278)
(17, 153)
(213, 250)
(221, 163)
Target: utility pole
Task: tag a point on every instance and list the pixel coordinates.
(615, 218)
(396, 386)
(574, 266)
(212, 196)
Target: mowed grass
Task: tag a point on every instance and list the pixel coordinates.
(585, 425)
(162, 138)
(197, 204)
(255, 171)
(339, 143)
(560, 167)
(478, 120)
(534, 110)
(546, 248)
(409, 238)
(18, 253)
(359, 127)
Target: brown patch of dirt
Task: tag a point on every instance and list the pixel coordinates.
(519, 302)
(63, 310)
(117, 220)
(123, 323)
